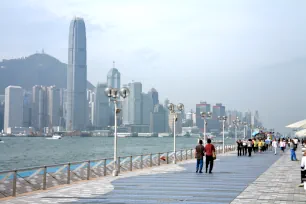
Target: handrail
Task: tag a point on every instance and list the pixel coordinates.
(69, 172)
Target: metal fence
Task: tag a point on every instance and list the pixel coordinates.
(15, 182)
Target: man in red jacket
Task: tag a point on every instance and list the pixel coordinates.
(209, 149)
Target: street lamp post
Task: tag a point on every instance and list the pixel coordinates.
(244, 129)
(113, 95)
(223, 119)
(172, 110)
(204, 115)
(236, 122)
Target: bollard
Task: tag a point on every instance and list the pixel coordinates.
(131, 163)
(104, 168)
(88, 170)
(68, 174)
(45, 178)
(158, 163)
(118, 166)
(15, 184)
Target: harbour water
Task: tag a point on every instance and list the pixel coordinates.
(21, 152)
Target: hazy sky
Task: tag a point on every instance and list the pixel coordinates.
(188, 50)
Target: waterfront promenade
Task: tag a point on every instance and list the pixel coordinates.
(242, 179)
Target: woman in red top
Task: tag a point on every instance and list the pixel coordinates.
(209, 149)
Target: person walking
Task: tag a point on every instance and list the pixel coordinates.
(260, 146)
(303, 169)
(250, 147)
(245, 147)
(239, 147)
(209, 151)
(274, 145)
(256, 145)
(282, 145)
(199, 154)
(292, 150)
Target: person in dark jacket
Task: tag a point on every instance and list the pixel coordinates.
(199, 154)
(239, 147)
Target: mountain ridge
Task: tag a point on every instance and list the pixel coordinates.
(36, 69)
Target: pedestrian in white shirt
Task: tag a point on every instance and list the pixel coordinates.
(303, 168)
(274, 145)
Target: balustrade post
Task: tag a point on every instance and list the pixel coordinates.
(131, 163)
(158, 160)
(181, 155)
(68, 174)
(104, 168)
(15, 184)
(88, 170)
(186, 154)
(167, 155)
(118, 166)
(151, 162)
(45, 178)
(141, 161)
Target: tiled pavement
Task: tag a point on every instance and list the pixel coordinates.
(279, 184)
(165, 184)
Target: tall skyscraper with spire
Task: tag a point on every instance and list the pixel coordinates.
(77, 76)
(113, 81)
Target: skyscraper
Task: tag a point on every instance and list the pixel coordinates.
(39, 107)
(13, 108)
(147, 108)
(158, 119)
(201, 107)
(154, 95)
(113, 78)
(132, 105)
(54, 106)
(101, 107)
(77, 106)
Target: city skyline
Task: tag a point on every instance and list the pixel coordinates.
(237, 49)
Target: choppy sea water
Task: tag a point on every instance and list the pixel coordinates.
(21, 152)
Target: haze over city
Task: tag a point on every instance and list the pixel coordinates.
(245, 54)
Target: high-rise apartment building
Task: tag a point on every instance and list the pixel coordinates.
(201, 107)
(13, 110)
(27, 109)
(218, 110)
(101, 107)
(178, 124)
(77, 106)
(158, 119)
(39, 108)
(132, 105)
(2, 99)
(147, 108)
(54, 106)
(154, 95)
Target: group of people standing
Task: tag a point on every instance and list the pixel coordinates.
(246, 147)
(209, 151)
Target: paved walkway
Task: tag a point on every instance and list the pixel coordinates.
(165, 184)
(279, 184)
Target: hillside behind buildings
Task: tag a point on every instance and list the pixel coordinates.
(36, 69)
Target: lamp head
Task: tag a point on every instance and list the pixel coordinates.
(124, 92)
(108, 92)
(171, 107)
(115, 93)
(180, 107)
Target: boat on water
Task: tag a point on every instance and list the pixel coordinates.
(1, 141)
(55, 137)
